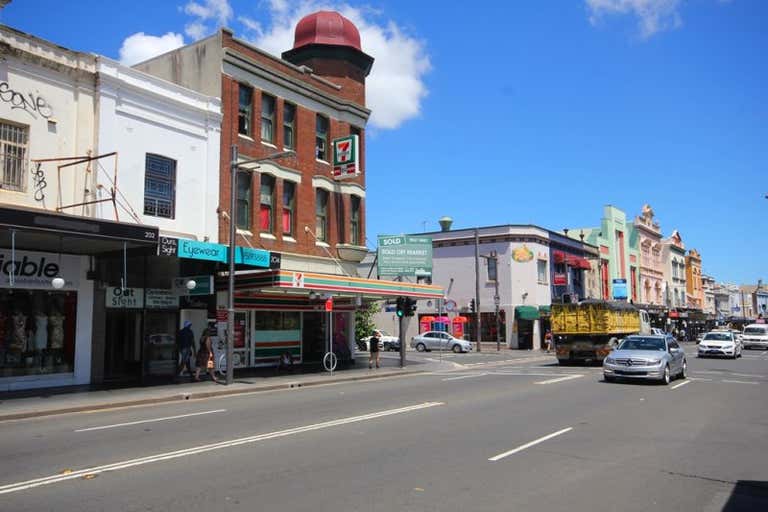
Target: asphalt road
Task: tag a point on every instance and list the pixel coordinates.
(495, 433)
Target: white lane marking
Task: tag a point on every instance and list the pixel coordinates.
(561, 379)
(528, 445)
(681, 384)
(116, 425)
(747, 375)
(37, 482)
(740, 382)
(700, 378)
(466, 377)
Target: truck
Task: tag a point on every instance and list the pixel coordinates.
(587, 331)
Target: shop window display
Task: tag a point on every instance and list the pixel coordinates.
(37, 332)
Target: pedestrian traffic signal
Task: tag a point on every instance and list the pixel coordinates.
(400, 308)
(472, 305)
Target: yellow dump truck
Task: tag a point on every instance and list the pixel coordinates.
(588, 331)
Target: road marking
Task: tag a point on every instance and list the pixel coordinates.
(466, 377)
(681, 384)
(29, 484)
(560, 379)
(700, 378)
(528, 445)
(116, 425)
(740, 382)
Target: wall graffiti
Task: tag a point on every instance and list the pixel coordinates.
(30, 103)
(38, 176)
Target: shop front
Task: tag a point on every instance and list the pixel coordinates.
(527, 327)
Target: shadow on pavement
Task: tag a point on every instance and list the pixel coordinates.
(748, 495)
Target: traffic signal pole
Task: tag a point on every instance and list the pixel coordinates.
(402, 342)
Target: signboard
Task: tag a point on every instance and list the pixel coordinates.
(161, 299)
(329, 304)
(522, 254)
(346, 157)
(404, 255)
(202, 251)
(275, 260)
(560, 279)
(168, 246)
(203, 285)
(253, 257)
(619, 289)
(129, 298)
(450, 305)
(31, 270)
(297, 280)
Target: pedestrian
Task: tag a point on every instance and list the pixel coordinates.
(205, 357)
(185, 342)
(548, 341)
(374, 349)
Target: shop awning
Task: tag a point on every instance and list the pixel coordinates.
(545, 310)
(559, 256)
(460, 320)
(427, 318)
(442, 319)
(527, 312)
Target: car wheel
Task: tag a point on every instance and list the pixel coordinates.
(666, 378)
(420, 347)
(684, 370)
(456, 349)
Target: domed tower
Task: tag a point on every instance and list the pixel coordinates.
(329, 44)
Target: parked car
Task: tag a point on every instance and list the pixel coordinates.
(720, 343)
(651, 357)
(439, 340)
(755, 336)
(385, 342)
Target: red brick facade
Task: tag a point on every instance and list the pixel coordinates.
(352, 90)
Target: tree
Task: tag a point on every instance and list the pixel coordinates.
(364, 324)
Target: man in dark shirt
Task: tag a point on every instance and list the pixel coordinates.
(186, 344)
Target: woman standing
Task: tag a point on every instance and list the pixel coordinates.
(374, 349)
(205, 357)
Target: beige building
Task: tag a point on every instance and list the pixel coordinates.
(693, 284)
(651, 266)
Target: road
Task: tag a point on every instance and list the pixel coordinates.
(497, 432)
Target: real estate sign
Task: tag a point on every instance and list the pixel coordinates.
(405, 256)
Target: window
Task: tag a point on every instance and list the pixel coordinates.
(13, 153)
(243, 202)
(267, 118)
(289, 205)
(354, 222)
(289, 126)
(159, 186)
(321, 215)
(244, 110)
(321, 138)
(266, 204)
(492, 269)
(541, 269)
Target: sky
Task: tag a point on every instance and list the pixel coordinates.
(524, 112)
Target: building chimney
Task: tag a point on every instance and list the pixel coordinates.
(445, 223)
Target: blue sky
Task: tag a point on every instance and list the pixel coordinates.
(526, 111)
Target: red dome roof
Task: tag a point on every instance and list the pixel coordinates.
(326, 27)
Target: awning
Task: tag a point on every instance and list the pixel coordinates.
(460, 320)
(559, 256)
(427, 318)
(527, 312)
(442, 319)
(545, 310)
(577, 262)
(584, 263)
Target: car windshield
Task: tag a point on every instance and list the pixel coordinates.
(718, 336)
(643, 344)
(755, 330)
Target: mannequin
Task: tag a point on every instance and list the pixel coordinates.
(56, 326)
(19, 336)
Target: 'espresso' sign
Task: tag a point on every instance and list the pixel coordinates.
(29, 270)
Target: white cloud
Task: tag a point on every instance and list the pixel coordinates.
(652, 15)
(140, 46)
(217, 11)
(195, 30)
(395, 88)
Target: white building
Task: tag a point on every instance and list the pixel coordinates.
(673, 259)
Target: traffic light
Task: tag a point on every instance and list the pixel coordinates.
(400, 308)
(410, 306)
(472, 305)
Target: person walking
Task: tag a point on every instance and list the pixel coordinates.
(185, 342)
(205, 357)
(548, 341)
(373, 355)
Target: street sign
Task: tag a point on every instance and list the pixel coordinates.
(329, 304)
(450, 306)
(404, 255)
(619, 289)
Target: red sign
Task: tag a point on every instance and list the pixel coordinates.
(329, 304)
(221, 315)
(560, 280)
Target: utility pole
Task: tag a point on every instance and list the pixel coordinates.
(477, 291)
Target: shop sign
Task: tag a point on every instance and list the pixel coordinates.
(522, 254)
(161, 299)
(560, 279)
(203, 285)
(404, 256)
(252, 257)
(168, 246)
(195, 250)
(619, 289)
(129, 298)
(346, 157)
(275, 260)
(30, 270)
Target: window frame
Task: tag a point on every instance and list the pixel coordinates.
(289, 125)
(20, 161)
(243, 199)
(289, 207)
(244, 111)
(544, 274)
(355, 209)
(270, 119)
(322, 137)
(321, 217)
(160, 180)
(269, 205)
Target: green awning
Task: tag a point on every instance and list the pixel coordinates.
(545, 310)
(527, 312)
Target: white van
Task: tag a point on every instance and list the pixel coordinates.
(755, 336)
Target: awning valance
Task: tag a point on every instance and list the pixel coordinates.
(545, 310)
(558, 256)
(527, 312)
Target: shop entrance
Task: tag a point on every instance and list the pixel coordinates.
(524, 334)
(314, 337)
(122, 350)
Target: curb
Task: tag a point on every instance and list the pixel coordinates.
(180, 397)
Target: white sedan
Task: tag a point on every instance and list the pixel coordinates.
(439, 340)
(720, 343)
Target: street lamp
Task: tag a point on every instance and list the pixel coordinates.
(233, 166)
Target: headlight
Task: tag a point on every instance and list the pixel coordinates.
(610, 360)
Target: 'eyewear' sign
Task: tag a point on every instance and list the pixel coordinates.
(36, 269)
(202, 251)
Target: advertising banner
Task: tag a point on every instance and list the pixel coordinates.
(405, 256)
(30, 270)
(619, 289)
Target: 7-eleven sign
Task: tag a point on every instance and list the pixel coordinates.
(346, 157)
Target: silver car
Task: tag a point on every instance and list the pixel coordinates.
(439, 340)
(657, 358)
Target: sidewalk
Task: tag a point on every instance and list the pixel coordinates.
(46, 402)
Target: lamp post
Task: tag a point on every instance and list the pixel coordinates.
(233, 166)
